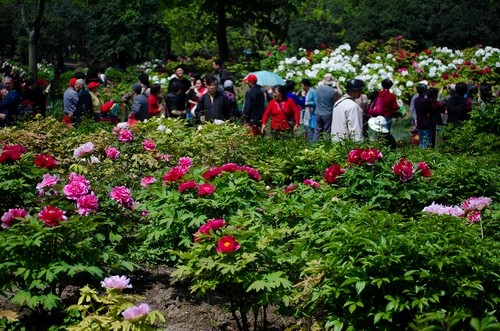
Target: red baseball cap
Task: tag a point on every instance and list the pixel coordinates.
(250, 78)
(72, 82)
(93, 85)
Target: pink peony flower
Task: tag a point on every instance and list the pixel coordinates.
(439, 209)
(87, 203)
(122, 195)
(404, 169)
(370, 155)
(230, 167)
(116, 283)
(290, 188)
(227, 244)
(185, 162)
(212, 173)
(164, 157)
(174, 174)
(149, 144)
(282, 48)
(312, 183)
(10, 216)
(77, 186)
(206, 189)
(47, 181)
(474, 203)
(83, 150)
(136, 312)
(424, 169)
(52, 216)
(125, 136)
(190, 184)
(148, 180)
(112, 153)
(474, 216)
(332, 173)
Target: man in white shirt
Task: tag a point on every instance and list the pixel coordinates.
(347, 116)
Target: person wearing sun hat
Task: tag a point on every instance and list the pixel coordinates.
(379, 125)
(326, 95)
(253, 108)
(96, 103)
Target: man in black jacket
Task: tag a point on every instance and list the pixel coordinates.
(254, 104)
(214, 105)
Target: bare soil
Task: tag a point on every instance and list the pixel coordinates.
(183, 311)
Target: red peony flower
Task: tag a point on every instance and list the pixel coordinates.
(487, 70)
(323, 45)
(52, 216)
(354, 156)
(371, 155)
(12, 153)
(424, 169)
(190, 184)
(332, 173)
(212, 173)
(174, 174)
(214, 225)
(445, 76)
(45, 161)
(227, 244)
(206, 189)
(404, 169)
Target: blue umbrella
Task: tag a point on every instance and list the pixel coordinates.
(267, 78)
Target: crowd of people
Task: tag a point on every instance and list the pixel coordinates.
(318, 111)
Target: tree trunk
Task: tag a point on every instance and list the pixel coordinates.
(32, 55)
(221, 30)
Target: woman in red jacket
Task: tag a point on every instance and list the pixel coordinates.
(284, 114)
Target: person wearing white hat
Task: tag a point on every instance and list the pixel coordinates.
(379, 125)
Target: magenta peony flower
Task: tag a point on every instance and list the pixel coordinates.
(371, 155)
(212, 173)
(122, 195)
(87, 203)
(12, 153)
(474, 216)
(213, 224)
(227, 244)
(148, 180)
(136, 312)
(404, 169)
(474, 203)
(47, 181)
(190, 184)
(230, 167)
(116, 283)
(424, 169)
(125, 136)
(83, 150)
(10, 216)
(77, 186)
(52, 216)
(252, 173)
(185, 162)
(206, 189)
(112, 153)
(174, 174)
(149, 144)
(312, 183)
(332, 173)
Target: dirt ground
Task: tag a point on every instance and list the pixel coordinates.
(183, 311)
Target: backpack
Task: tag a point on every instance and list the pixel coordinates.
(376, 107)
